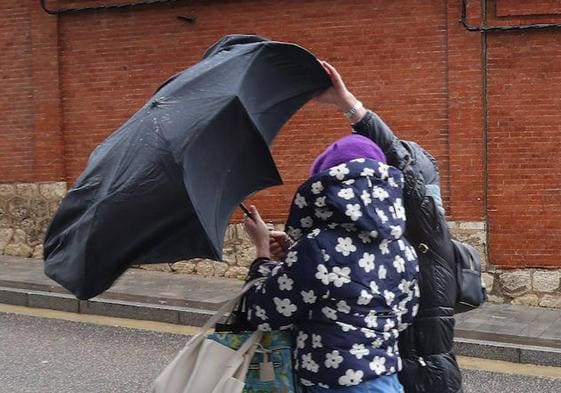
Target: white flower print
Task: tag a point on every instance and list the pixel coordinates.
(390, 324)
(294, 233)
(359, 351)
(368, 333)
(340, 276)
(366, 199)
(359, 160)
(392, 183)
(305, 382)
(322, 274)
(323, 213)
(276, 269)
(285, 283)
(364, 298)
(351, 378)
(371, 320)
(308, 297)
(333, 359)
(396, 231)
(378, 365)
(367, 172)
(301, 340)
(415, 310)
(374, 287)
(300, 201)
(308, 363)
(316, 341)
(399, 264)
(367, 262)
(377, 343)
(399, 209)
(410, 254)
(343, 307)
(383, 168)
(306, 222)
(325, 255)
(284, 306)
(384, 247)
(353, 211)
(291, 258)
(339, 171)
(260, 312)
(345, 326)
(264, 270)
(320, 202)
(317, 187)
(405, 286)
(349, 182)
(365, 237)
(346, 193)
(349, 227)
(401, 244)
(374, 234)
(313, 233)
(264, 327)
(322, 385)
(379, 193)
(329, 313)
(382, 215)
(382, 272)
(345, 246)
(389, 296)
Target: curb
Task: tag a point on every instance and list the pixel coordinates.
(106, 307)
(514, 353)
(466, 343)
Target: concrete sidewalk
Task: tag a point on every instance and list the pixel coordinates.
(503, 332)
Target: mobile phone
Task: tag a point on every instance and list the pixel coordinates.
(245, 210)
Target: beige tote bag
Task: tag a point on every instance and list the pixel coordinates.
(205, 366)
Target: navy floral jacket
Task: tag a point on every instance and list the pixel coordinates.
(348, 284)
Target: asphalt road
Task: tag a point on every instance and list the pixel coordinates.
(43, 355)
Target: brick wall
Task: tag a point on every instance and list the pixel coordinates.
(70, 80)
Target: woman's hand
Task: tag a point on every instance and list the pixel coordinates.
(278, 244)
(338, 94)
(258, 233)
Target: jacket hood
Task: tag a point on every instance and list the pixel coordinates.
(357, 195)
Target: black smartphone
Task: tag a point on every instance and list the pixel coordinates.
(245, 210)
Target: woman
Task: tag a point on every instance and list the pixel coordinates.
(429, 363)
(347, 285)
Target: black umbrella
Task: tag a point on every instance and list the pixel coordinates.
(163, 187)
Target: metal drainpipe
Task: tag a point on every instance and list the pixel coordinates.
(485, 98)
(102, 7)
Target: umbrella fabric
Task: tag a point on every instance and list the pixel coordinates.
(163, 187)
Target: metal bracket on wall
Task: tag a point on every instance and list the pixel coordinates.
(484, 28)
(58, 11)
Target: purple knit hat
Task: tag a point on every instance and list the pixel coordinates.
(346, 149)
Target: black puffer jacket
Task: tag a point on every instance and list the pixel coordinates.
(429, 365)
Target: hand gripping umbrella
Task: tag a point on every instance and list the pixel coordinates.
(163, 187)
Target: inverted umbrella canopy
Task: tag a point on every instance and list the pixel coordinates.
(163, 187)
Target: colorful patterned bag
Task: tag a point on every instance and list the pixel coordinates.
(270, 369)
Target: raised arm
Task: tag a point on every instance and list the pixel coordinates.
(364, 122)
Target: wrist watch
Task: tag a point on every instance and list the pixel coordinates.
(356, 107)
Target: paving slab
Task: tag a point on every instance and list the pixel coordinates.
(513, 333)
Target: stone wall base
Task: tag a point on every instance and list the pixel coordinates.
(26, 210)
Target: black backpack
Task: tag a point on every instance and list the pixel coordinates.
(471, 290)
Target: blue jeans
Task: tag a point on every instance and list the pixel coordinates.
(385, 384)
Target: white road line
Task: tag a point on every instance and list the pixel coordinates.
(464, 362)
(101, 320)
